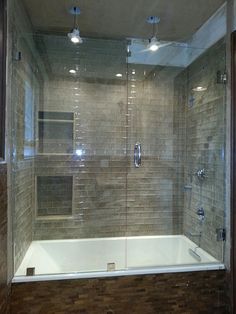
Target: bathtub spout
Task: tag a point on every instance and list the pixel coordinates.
(193, 235)
(194, 254)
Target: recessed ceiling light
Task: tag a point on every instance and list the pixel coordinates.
(199, 89)
(72, 71)
(119, 75)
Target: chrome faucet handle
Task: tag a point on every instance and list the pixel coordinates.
(201, 174)
(201, 213)
(137, 155)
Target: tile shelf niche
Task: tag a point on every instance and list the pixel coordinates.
(55, 133)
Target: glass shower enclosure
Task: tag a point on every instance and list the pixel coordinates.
(117, 152)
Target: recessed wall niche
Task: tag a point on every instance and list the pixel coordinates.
(55, 132)
(54, 195)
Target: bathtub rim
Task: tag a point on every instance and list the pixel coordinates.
(132, 271)
(119, 273)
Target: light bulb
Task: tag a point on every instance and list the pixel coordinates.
(153, 47)
(74, 36)
(153, 44)
(74, 40)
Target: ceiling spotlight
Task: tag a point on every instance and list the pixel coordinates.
(153, 44)
(74, 35)
(119, 75)
(72, 71)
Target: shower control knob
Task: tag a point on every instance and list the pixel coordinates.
(201, 174)
(201, 213)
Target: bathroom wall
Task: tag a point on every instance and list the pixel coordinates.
(204, 142)
(4, 286)
(24, 97)
(105, 131)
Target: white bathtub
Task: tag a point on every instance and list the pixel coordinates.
(89, 258)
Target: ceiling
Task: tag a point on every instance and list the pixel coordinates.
(95, 59)
(119, 19)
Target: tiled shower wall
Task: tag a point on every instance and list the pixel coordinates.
(163, 115)
(99, 174)
(22, 71)
(105, 130)
(204, 145)
(167, 118)
(154, 202)
(100, 182)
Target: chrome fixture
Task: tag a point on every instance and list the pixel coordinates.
(220, 234)
(194, 254)
(221, 78)
(187, 187)
(153, 42)
(193, 235)
(201, 174)
(74, 35)
(137, 155)
(201, 214)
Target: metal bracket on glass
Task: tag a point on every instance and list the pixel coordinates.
(137, 155)
(220, 234)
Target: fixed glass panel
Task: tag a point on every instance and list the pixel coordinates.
(176, 191)
(204, 159)
(74, 187)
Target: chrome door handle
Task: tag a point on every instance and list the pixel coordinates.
(137, 155)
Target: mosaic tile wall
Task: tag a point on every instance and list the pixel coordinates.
(180, 293)
(23, 101)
